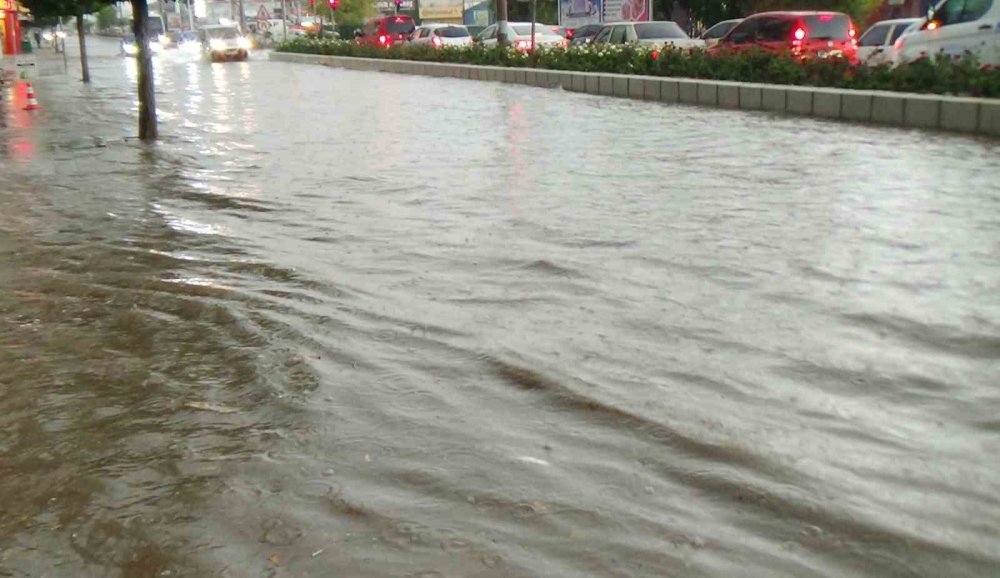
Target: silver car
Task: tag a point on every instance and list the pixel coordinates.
(652, 34)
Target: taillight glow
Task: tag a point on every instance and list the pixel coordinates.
(437, 42)
(932, 25)
(382, 39)
(852, 32)
(800, 33)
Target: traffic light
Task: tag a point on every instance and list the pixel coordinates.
(333, 4)
(399, 4)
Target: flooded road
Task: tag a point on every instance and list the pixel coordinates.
(340, 323)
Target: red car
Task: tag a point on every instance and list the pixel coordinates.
(386, 31)
(805, 34)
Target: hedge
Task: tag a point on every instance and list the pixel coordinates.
(939, 75)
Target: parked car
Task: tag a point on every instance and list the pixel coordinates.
(386, 31)
(224, 42)
(657, 34)
(585, 34)
(439, 35)
(518, 35)
(805, 34)
(954, 28)
(876, 45)
(713, 35)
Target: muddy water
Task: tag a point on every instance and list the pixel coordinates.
(352, 324)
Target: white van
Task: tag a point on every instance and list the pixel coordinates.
(953, 28)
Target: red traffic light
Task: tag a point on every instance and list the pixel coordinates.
(333, 4)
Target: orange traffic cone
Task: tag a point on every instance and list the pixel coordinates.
(32, 101)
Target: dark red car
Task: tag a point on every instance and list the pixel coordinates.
(386, 31)
(805, 34)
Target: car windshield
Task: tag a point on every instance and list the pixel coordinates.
(525, 29)
(650, 30)
(223, 33)
(827, 26)
(451, 32)
(399, 26)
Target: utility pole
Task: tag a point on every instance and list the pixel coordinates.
(191, 15)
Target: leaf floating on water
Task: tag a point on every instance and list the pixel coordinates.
(206, 406)
(275, 559)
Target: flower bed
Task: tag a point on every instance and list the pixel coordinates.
(938, 76)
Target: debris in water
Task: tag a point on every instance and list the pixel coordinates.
(275, 559)
(207, 406)
(531, 460)
(317, 553)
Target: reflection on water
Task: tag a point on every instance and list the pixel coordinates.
(339, 323)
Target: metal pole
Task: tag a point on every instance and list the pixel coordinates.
(191, 14)
(534, 4)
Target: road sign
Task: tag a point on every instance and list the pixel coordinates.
(263, 15)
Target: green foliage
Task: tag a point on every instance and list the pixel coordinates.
(59, 8)
(940, 76)
(351, 13)
(107, 17)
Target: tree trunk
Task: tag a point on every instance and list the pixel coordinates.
(83, 48)
(144, 61)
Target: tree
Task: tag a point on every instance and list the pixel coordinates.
(140, 10)
(75, 8)
(144, 61)
(349, 12)
(107, 17)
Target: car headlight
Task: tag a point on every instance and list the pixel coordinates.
(216, 44)
(243, 43)
(61, 34)
(130, 49)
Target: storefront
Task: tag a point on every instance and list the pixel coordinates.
(10, 27)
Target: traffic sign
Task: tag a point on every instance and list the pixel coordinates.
(263, 15)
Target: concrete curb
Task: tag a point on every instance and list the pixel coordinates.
(950, 113)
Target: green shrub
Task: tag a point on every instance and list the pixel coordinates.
(939, 76)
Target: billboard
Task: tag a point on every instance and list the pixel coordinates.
(574, 13)
(441, 10)
(626, 10)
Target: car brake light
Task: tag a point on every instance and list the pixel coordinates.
(932, 25)
(800, 33)
(852, 32)
(437, 42)
(382, 39)
(570, 32)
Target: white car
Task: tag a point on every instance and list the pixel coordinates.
(224, 42)
(518, 35)
(875, 45)
(438, 35)
(954, 28)
(652, 34)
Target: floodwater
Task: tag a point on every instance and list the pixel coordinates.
(353, 324)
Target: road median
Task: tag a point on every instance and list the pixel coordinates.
(901, 109)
